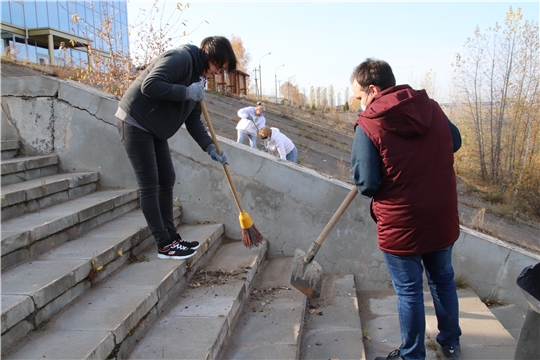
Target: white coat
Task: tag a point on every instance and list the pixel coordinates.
(279, 142)
(250, 126)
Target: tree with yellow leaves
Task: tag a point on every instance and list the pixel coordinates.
(498, 81)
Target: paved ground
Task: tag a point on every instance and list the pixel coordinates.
(324, 144)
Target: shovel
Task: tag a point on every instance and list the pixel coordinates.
(307, 275)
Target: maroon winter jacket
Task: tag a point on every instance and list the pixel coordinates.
(416, 205)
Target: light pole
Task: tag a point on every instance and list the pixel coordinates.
(260, 74)
(275, 75)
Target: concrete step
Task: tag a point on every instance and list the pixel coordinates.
(56, 278)
(511, 317)
(33, 234)
(28, 167)
(32, 195)
(483, 335)
(199, 323)
(10, 149)
(110, 317)
(332, 328)
(271, 322)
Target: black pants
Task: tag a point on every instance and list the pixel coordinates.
(151, 160)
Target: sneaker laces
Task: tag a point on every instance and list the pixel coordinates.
(395, 354)
(177, 245)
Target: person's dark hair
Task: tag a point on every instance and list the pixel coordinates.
(218, 50)
(374, 72)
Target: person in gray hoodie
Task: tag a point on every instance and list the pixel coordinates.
(164, 97)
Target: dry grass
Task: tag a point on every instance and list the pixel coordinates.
(461, 282)
(344, 169)
(63, 72)
(479, 223)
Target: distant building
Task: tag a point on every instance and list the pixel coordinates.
(36, 30)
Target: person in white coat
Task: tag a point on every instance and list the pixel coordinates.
(275, 140)
(252, 119)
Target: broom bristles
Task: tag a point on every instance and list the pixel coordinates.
(251, 237)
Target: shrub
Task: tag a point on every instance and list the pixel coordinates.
(530, 190)
(493, 198)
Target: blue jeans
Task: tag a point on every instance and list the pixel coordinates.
(292, 155)
(151, 160)
(406, 272)
(252, 138)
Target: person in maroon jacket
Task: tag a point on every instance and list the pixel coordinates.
(403, 158)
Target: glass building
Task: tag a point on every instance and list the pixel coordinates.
(37, 30)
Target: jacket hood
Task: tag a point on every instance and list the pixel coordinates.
(275, 132)
(401, 110)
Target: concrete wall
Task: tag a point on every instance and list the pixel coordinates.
(289, 204)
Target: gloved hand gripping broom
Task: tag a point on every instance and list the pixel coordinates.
(250, 235)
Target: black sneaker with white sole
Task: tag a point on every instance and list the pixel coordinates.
(451, 352)
(394, 355)
(189, 244)
(175, 251)
(194, 245)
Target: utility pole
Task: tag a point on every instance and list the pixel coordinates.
(256, 86)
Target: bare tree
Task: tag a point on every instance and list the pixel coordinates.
(324, 100)
(155, 31)
(291, 92)
(331, 102)
(312, 99)
(498, 79)
(429, 83)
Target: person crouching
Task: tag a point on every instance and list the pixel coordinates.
(275, 140)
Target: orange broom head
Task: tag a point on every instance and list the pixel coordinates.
(245, 220)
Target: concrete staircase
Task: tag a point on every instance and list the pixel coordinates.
(80, 276)
(81, 280)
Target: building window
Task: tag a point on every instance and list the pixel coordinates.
(52, 7)
(17, 14)
(63, 17)
(43, 18)
(58, 14)
(6, 13)
(30, 14)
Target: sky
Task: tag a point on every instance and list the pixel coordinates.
(320, 43)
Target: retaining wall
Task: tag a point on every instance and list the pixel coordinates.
(289, 204)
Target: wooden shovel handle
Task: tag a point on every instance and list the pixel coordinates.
(341, 209)
(225, 169)
(314, 248)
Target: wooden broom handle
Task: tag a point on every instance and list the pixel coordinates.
(344, 205)
(214, 138)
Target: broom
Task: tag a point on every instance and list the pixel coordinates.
(250, 235)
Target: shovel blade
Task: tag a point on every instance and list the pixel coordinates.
(306, 276)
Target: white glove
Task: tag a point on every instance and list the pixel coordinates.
(195, 91)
